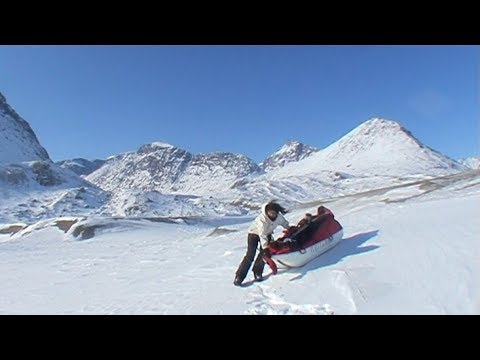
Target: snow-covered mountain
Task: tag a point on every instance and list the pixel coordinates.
(81, 166)
(39, 189)
(32, 187)
(292, 151)
(376, 147)
(165, 168)
(378, 153)
(471, 162)
(24, 164)
(17, 140)
(160, 179)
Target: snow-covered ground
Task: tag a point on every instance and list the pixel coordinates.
(406, 250)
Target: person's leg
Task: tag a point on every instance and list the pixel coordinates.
(242, 270)
(258, 266)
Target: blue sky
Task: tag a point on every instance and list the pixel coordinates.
(97, 101)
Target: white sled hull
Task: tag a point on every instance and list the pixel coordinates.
(300, 258)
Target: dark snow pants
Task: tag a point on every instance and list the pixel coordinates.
(252, 244)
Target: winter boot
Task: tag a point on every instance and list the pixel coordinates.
(258, 277)
(237, 281)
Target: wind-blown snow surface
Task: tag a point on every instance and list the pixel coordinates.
(406, 250)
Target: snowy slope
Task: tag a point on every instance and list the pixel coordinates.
(17, 140)
(406, 250)
(292, 151)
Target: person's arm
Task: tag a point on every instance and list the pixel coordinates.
(265, 242)
(264, 238)
(284, 222)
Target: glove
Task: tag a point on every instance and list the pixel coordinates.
(266, 253)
